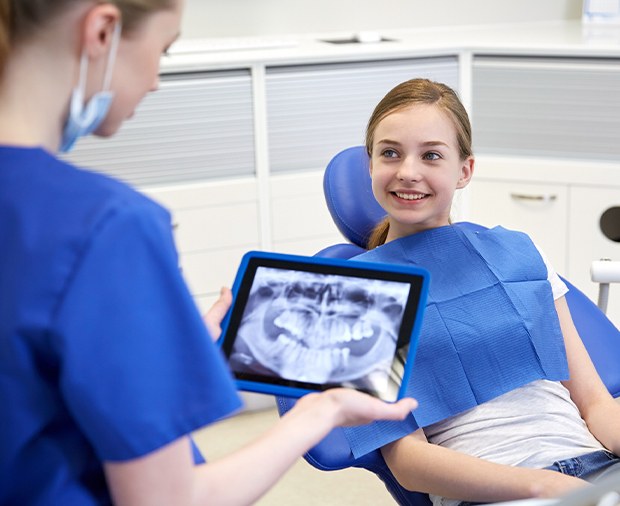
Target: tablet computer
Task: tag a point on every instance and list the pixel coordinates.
(304, 324)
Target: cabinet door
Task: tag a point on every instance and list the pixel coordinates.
(215, 224)
(587, 241)
(301, 222)
(547, 107)
(539, 210)
(315, 111)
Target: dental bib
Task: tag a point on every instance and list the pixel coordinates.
(490, 325)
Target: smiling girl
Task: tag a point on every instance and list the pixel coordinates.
(508, 394)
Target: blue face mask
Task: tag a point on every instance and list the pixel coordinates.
(84, 118)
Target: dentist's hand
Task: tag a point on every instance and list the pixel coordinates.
(215, 315)
(344, 407)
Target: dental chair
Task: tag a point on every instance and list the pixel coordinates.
(355, 211)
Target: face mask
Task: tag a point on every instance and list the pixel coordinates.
(84, 118)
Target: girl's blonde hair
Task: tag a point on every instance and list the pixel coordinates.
(415, 92)
(20, 18)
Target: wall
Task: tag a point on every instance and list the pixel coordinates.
(222, 18)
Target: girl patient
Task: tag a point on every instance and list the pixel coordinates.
(510, 403)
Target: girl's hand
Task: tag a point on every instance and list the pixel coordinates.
(554, 484)
(215, 315)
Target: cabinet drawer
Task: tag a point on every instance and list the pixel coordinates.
(212, 215)
(540, 210)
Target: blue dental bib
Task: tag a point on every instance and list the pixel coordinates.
(490, 324)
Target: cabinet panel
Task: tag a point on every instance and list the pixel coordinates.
(301, 223)
(587, 242)
(217, 227)
(215, 223)
(314, 111)
(540, 210)
(207, 271)
(550, 107)
(196, 127)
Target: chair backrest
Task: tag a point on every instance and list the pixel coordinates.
(355, 211)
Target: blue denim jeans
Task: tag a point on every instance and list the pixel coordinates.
(584, 466)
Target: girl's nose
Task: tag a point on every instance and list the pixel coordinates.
(408, 171)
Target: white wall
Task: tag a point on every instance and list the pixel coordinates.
(222, 18)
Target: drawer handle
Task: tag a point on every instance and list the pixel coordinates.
(537, 198)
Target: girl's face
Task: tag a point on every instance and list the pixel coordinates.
(136, 71)
(416, 167)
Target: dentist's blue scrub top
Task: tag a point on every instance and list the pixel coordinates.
(103, 354)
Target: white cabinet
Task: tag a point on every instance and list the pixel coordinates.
(538, 209)
(300, 220)
(215, 224)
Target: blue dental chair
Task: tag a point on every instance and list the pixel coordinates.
(355, 211)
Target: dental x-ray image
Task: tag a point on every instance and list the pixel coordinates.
(320, 328)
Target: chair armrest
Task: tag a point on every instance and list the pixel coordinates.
(604, 272)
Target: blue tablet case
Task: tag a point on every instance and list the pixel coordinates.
(304, 324)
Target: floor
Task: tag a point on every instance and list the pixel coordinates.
(303, 485)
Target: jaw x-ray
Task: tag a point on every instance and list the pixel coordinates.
(305, 324)
(320, 328)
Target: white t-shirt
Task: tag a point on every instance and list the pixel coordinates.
(532, 426)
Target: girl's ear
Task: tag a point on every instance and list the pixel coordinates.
(98, 29)
(467, 171)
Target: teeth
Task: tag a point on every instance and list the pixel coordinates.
(361, 329)
(410, 196)
(295, 357)
(291, 321)
(298, 325)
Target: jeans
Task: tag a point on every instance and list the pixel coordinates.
(587, 465)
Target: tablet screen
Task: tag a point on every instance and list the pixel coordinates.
(301, 324)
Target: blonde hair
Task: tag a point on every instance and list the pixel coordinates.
(20, 18)
(415, 92)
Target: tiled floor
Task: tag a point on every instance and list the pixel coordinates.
(303, 485)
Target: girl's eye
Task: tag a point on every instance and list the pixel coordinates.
(389, 153)
(431, 156)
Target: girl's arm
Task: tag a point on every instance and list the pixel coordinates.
(598, 408)
(167, 476)
(424, 467)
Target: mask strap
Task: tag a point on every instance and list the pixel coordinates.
(116, 36)
(107, 78)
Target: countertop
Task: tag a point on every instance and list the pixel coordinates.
(559, 39)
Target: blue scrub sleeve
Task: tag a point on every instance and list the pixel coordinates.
(139, 369)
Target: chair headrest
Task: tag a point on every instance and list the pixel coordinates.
(348, 193)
